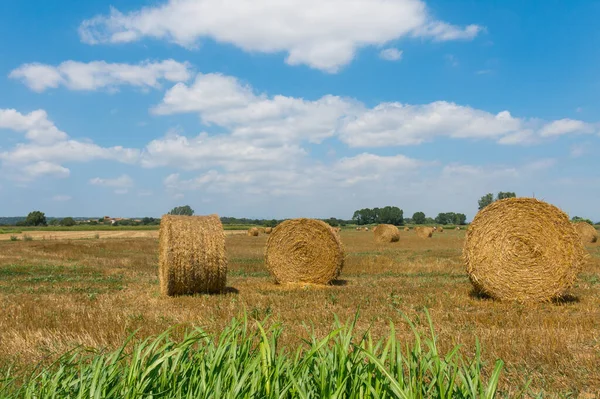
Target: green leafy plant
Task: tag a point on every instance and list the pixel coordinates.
(245, 361)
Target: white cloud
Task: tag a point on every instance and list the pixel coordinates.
(395, 124)
(123, 181)
(62, 198)
(390, 54)
(47, 148)
(323, 34)
(224, 151)
(266, 121)
(36, 125)
(42, 169)
(100, 75)
(566, 126)
(224, 101)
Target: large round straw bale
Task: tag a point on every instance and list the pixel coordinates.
(522, 249)
(386, 233)
(304, 251)
(191, 255)
(424, 232)
(587, 232)
(253, 232)
(440, 229)
(268, 230)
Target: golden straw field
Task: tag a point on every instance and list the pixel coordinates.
(59, 292)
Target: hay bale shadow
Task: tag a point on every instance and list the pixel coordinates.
(479, 295)
(339, 283)
(566, 299)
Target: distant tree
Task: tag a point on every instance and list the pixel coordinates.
(148, 221)
(503, 195)
(101, 220)
(36, 218)
(576, 219)
(54, 222)
(185, 210)
(486, 200)
(418, 218)
(68, 221)
(451, 218)
(388, 215)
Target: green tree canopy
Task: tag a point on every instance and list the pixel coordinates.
(68, 221)
(451, 218)
(576, 219)
(36, 218)
(388, 215)
(418, 218)
(185, 210)
(489, 198)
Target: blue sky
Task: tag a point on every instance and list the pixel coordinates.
(296, 108)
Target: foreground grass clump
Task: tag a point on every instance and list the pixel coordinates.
(245, 362)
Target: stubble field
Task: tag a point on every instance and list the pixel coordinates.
(59, 293)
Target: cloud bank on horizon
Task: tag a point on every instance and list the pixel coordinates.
(182, 130)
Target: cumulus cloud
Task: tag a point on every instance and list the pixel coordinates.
(98, 75)
(224, 101)
(46, 148)
(274, 120)
(36, 125)
(321, 34)
(395, 124)
(390, 54)
(43, 168)
(204, 151)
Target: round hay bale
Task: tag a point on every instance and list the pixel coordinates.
(366, 229)
(522, 249)
(587, 232)
(407, 228)
(261, 230)
(387, 233)
(440, 229)
(268, 230)
(304, 251)
(191, 256)
(253, 232)
(457, 228)
(424, 232)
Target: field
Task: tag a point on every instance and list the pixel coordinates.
(62, 292)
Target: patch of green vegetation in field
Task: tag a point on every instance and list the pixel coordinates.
(247, 362)
(57, 279)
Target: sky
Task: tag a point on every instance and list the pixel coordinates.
(296, 108)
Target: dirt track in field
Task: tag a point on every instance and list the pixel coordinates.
(103, 234)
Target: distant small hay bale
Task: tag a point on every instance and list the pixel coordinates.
(366, 229)
(386, 233)
(261, 230)
(440, 229)
(457, 228)
(522, 249)
(424, 232)
(191, 255)
(587, 232)
(304, 251)
(253, 232)
(407, 228)
(268, 230)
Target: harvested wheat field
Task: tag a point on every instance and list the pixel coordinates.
(57, 294)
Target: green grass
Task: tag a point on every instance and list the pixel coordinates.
(245, 361)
